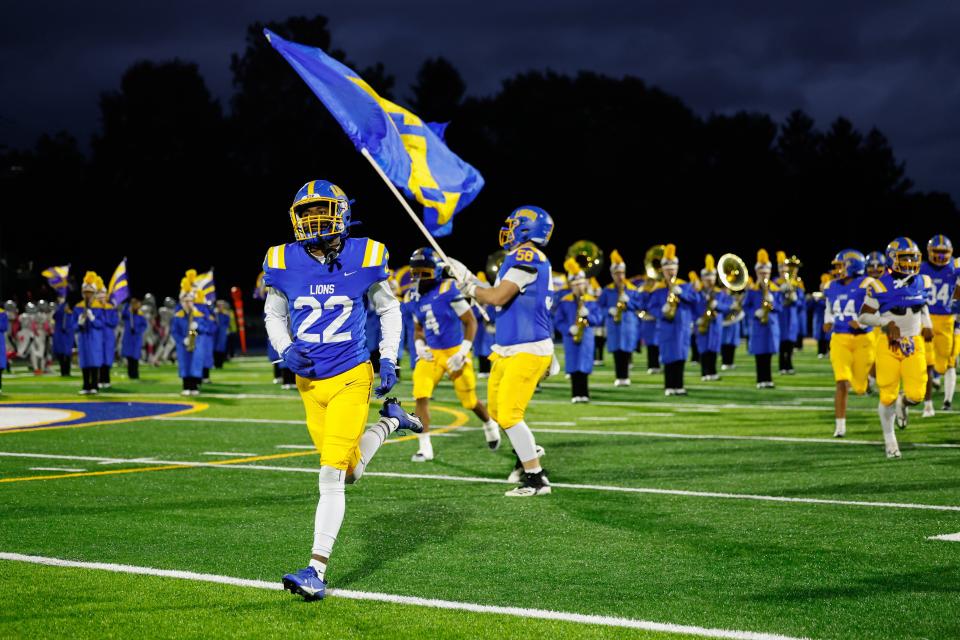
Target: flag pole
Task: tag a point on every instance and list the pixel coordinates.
(416, 220)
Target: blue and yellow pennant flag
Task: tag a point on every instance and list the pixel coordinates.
(204, 284)
(57, 278)
(411, 152)
(118, 290)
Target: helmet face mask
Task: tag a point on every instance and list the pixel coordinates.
(939, 250)
(904, 256)
(425, 267)
(320, 215)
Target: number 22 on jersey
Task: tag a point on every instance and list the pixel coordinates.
(332, 333)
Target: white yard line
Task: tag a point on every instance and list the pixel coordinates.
(296, 446)
(250, 420)
(66, 469)
(580, 487)
(605, 418)
(230, 454)
(518, 612)
(554, 424)
(949, 537)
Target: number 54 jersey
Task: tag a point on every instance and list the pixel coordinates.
(325, 302)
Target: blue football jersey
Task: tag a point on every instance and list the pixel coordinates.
(326, 303)
(900, 293)
(442, 327)
(844, 302)
(526, 318)
(943, 282)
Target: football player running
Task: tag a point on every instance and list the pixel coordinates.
(851, 345)
(896, 302)
(444, 330)
(943, 273)
(522, 294)
(315, 318)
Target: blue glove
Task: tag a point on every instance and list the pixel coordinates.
(297, 361)
(388, 377)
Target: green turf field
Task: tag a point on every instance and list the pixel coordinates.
(784, 531)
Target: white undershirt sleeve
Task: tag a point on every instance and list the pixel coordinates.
(387, 307)
(459, 306)
(520, 277)
(827, 314)
(276, 317)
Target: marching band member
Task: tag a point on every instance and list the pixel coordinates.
(648, 327)
(222, 316)
(4, 325)
(445, 329)
(791, 293)
(943, 274)
(762, 304)
(852, 346)
(189, 326)
(712, 306)
(896, 302)
(134, 326)
(620, 298)
(817, 307)
(107, 334)
(88, 317)
(575, 314)
(63, 335)
(672, 303)
(523, 351)
(732, 332)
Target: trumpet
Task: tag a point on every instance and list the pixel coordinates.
(704, 321)
(191, 338)
(790, 268)
(621, 305)
(673, 300)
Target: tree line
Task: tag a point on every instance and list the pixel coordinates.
(175, 179)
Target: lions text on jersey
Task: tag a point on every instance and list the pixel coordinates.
(325, 302)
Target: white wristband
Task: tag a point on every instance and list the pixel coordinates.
(465, 347)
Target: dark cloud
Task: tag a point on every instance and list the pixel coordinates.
(887, 64)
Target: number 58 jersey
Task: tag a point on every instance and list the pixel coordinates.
(325, 302)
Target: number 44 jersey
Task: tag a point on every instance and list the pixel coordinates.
(325, 301)
(843, 304)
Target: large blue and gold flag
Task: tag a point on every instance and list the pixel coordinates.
(57, 278)
(118, 289)
(411, 152)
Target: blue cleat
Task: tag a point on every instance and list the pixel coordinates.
(391, 409)
(305, 583)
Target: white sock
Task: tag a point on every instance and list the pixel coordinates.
(426, 447)
(928, 404)
(374, 436)
(319, 567)
(949, 383)
(872, 381)
(522, 440)
(887, 412)
(493, 428)
(330, 510)
(841, 424)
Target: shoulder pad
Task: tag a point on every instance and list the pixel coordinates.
(527, 254)
(927, 281)
(445, 286)
(374, 254)
(276, 257)
(876, 284)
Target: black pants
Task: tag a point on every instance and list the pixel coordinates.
(823, 346)
(708, 363)
(64, 361)
(621, 364)
(484, 364)
(579, 384)
(90, 377)
(190, 383)
(786, 355)
(233, 339)
(289, 377)
(598, 345)
(653, 356)
(764, 373)
(727, 353)
(673, 375)
(206, 374)
(694, 351)
(276, 372)
(798, 345)
(105, 374)
(219, 357)
(133, 368)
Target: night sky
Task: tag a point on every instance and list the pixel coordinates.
(893, 65)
